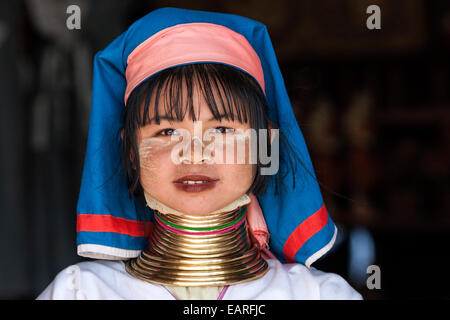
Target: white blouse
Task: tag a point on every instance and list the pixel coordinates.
(108, 280)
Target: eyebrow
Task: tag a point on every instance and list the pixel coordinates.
(176, 120)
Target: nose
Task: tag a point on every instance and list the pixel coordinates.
(195, 152)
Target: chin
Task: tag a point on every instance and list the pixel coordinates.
(202, 202)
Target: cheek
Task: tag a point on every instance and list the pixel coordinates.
(238, 177)
(238, 149)
(155, 159)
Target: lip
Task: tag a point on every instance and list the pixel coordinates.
(208, 183)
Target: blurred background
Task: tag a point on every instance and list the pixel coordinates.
(374, 106)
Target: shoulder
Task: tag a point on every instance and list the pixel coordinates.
(323, 285)
(73, 281)
(295, 281)
(99, 280)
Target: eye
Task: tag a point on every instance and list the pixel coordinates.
(222, 130)
(167, 132)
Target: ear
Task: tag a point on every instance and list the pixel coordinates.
(270, 127)
(131, 153)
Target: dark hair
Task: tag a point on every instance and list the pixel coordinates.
(238, 93)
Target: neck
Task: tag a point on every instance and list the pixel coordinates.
(208, 250)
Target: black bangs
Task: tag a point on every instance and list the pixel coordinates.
(223, 88)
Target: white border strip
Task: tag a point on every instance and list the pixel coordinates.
(322, 251)
(97, 251)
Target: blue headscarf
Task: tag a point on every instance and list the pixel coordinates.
(112, 225)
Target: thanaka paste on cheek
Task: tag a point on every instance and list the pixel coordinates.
(151, 149)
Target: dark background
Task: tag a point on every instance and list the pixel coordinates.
(373, 106)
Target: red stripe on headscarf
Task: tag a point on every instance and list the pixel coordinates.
(303, 232)
(108, 223)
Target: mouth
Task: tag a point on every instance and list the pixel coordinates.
(195, 183)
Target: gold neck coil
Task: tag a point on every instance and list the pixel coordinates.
(209, 250)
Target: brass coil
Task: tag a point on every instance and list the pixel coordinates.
(192, 258)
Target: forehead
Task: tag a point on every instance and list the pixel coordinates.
(189, 99)
(185, 102)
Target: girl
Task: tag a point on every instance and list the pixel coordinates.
(194, 158)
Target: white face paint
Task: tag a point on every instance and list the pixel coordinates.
(152, 144)
(149, 149)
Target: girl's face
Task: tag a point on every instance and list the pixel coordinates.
(185, 172)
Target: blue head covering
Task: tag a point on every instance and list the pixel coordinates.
(112, 225)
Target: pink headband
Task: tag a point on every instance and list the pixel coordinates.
(190, 43)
